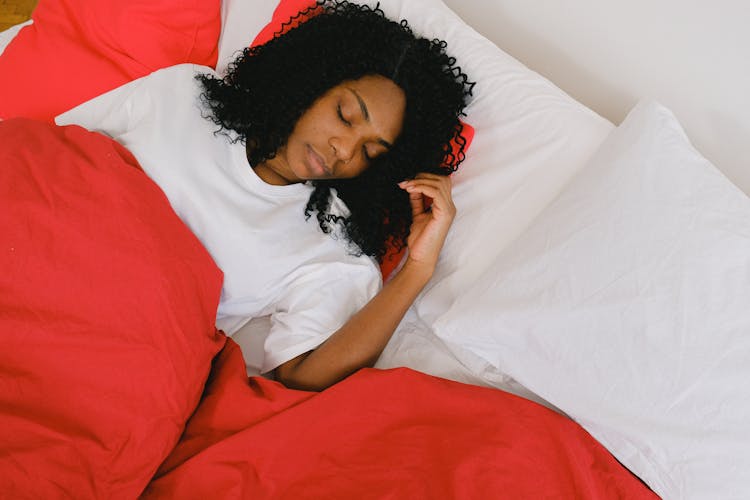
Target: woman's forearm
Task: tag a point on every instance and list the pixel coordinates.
(361, 340)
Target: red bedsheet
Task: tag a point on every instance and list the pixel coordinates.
(111, 386)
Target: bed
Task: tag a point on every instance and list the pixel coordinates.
(586, 334)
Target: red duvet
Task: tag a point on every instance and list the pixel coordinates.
(111, 385)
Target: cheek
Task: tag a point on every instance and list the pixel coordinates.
(295, 146)
(313, 124)
(296, 158)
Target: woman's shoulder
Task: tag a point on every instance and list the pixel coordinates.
(171, 88)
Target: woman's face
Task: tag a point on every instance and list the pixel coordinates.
(338, 136)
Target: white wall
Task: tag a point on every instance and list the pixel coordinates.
(691, 55)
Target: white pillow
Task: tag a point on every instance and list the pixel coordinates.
(241, 21)
(530, 139)
(627, 305)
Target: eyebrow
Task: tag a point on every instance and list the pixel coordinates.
(366, 114)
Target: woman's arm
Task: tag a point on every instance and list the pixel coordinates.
(361, 340)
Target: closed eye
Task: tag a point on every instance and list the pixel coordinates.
(341, 116)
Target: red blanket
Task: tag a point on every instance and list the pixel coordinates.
(107, 312)
(381, 434)
(107, 304)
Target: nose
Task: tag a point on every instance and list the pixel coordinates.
(344, 146)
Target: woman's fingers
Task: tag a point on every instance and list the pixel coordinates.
(429, 228)
(417, 203)
(439, 182)
(435, 187)
(415, 198)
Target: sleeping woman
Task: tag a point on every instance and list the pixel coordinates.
(297, 168)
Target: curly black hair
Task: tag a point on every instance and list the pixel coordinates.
(268, 87)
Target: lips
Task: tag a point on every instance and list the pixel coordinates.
(317, 163)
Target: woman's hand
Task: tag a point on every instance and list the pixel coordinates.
(429, 225)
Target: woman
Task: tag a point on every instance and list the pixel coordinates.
(348, 116)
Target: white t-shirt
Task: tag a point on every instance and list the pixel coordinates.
(274, 260)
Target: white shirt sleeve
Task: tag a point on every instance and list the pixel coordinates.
(112, 113)
(120, 110)
(319, 301)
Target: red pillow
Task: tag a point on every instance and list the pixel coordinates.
(107, 312)
(78, 49)
(288, 9)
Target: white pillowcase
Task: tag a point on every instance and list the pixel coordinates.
(531, 138)
(627, 305)
(241, 21)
